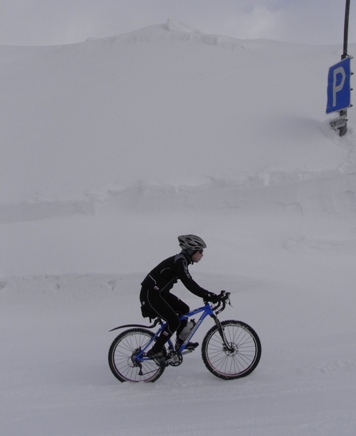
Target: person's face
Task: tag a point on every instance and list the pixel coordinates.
(197, 256)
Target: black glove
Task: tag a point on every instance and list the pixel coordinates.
(212, 297)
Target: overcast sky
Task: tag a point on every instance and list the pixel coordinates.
(48, 22)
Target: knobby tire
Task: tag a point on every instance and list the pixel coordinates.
(121, 357)
(240, 359)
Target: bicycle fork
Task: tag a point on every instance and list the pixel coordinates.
(222, 334)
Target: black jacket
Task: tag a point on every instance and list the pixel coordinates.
(169, 271)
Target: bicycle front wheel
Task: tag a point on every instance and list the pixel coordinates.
(122, 355)
(241, 356)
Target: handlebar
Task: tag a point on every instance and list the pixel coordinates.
(224, 298)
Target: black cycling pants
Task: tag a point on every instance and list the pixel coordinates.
(168, 307)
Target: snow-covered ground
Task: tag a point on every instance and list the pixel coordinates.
(110, 150)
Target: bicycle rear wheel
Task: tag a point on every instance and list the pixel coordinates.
(122, 357)
(242, 356)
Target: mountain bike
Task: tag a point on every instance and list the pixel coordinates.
(230, 349)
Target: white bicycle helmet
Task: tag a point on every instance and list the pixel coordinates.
(191, 243)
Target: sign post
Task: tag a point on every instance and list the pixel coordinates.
(339, 83)
(343, 113)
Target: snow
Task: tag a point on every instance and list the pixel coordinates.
(112, 148)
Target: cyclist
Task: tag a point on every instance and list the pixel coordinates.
(157, 299)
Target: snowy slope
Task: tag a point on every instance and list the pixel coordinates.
(169, 95)
(113, 147)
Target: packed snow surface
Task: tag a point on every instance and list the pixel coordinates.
(111, 149)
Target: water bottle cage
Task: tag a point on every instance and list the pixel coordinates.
(186, 331)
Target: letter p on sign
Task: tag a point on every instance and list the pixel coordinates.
(337, 87)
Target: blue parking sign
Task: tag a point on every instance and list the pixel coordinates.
(339, 86)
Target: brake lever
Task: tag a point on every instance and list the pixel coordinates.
(226, 298)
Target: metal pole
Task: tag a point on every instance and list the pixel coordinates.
(343, 113)
(346, 29)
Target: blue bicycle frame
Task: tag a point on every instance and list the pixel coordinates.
(204, 310)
